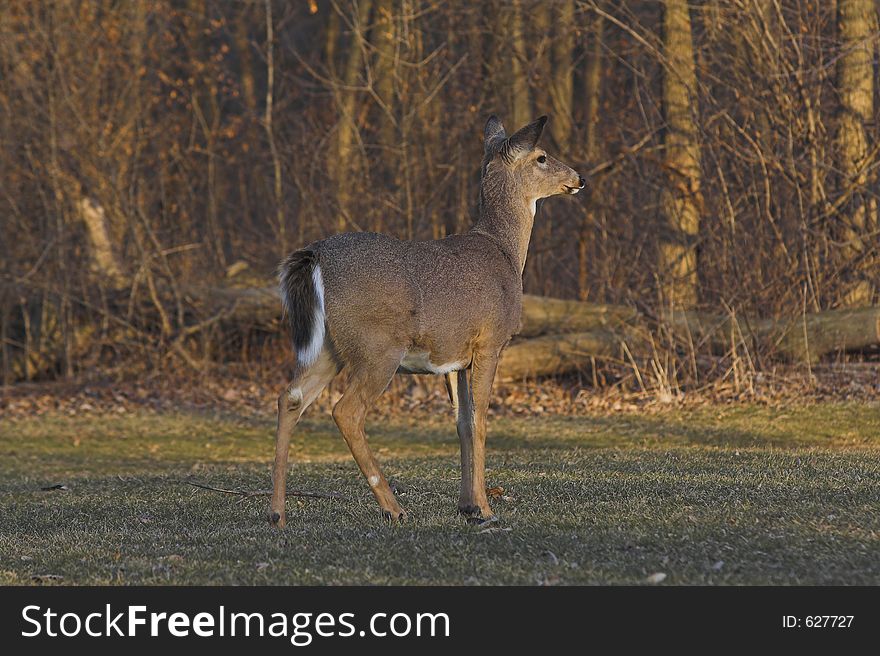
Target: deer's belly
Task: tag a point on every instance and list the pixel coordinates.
(419, 362)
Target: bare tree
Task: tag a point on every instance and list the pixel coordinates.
(384, 69)
(562, 80)
(681, 199)
(855, 83)
(517, 57)
(592, 89)
(343, 163)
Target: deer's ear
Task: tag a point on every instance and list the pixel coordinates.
(493, 135)
(524, 140)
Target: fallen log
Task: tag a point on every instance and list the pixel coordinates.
(810, 337)
(557, 354)
(556, 337)
(599, 329)
(542, 315)
(798, 339)
(248, 306)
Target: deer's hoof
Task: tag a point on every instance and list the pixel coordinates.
(469, 510)
(476, 516)
(479, 520)
(276, 520)
(394, 516)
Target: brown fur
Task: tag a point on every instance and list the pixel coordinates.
(455, 301)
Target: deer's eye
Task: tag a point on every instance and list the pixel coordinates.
(542, 159)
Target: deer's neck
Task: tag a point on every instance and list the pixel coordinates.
(508, 218)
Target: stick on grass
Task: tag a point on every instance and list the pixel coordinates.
(267, 493)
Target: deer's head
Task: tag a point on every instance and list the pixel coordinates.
(519, 166)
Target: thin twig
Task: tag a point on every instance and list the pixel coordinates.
(266, 493)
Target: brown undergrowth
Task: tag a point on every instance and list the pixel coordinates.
(234, 390)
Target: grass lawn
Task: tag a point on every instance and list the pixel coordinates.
(717, 495)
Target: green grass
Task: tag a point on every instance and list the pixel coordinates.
(717, 495)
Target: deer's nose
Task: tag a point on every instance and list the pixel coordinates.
(582, 182)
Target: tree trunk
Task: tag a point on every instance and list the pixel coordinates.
(104, 260)
(519, 83)
(245, 59)
(382, 38)
(541, 19)
(680, 199)
(342, 164)
(208, 115)
(330, 38)
(561, 84)
(593, 85)
(592, 98)
(855, 82)
(280, 226)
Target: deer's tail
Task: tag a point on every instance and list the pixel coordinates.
(302, 300)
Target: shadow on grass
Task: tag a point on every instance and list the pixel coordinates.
(570, 516)
(731, 495)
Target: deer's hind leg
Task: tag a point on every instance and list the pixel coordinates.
(367, 382)
(303, 389)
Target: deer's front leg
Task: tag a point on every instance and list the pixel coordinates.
(473, 409)
(464, 407)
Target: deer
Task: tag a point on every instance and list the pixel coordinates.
(375, 305)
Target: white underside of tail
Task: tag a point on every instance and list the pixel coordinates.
(307, 356)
